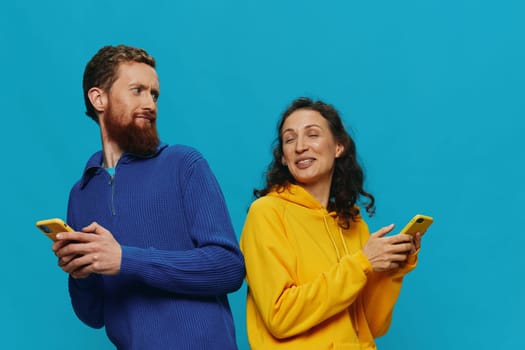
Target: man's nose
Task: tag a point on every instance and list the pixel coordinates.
(150, 102)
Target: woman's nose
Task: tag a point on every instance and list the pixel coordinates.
(300, 145)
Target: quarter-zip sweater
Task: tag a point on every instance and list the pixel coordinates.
(180, 255)
(310, 286)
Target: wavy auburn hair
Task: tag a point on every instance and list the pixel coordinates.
(102, 70)
(347, 182)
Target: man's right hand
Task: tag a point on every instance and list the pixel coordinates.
(94, 250)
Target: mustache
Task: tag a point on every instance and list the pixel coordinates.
(151, 116)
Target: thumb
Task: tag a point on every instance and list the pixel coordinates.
(383, 231)
(94, 227)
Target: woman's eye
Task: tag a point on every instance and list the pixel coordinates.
(290, 140)
(313, 135)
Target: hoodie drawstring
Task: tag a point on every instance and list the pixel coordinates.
(353, 307)
(333, 240)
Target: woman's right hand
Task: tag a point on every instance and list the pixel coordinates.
(387, 253)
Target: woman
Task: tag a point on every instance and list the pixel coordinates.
(316, 277)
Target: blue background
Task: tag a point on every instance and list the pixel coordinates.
(432, 91)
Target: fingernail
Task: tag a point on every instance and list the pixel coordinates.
(58, 236)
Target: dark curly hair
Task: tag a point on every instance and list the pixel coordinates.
(347, 182)
(101, 70)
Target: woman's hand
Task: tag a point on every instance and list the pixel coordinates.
(417, 243)
(388, 253)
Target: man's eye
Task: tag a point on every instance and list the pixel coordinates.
(155, 97)
(136, 90)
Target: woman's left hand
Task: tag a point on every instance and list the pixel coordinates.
(416, 243)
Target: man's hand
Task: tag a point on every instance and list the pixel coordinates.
(388, 253)
(94, 250)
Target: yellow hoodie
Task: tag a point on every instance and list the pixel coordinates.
(310, 287)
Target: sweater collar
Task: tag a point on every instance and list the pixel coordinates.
(95, 162)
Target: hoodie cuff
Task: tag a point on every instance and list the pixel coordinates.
(409, 265)
(363, 261)
(412, 259)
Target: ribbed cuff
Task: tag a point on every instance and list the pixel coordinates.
(132, 259)
(85, 283)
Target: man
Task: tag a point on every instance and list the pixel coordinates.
(155, 254)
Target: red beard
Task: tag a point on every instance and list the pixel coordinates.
(133, 138)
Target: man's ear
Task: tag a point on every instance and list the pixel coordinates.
(98, 99)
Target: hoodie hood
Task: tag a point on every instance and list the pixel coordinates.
(298, 195)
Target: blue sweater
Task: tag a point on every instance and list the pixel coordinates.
(180, 255)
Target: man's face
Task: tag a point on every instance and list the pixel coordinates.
(131, 113)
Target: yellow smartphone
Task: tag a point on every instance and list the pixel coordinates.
(419, 223)
(51, 227)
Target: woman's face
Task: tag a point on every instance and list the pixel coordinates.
(309, 148)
